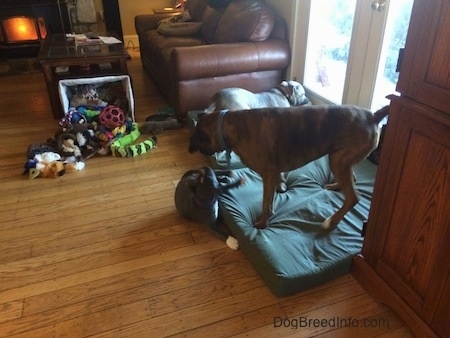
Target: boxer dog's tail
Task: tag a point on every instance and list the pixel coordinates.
(380, 114)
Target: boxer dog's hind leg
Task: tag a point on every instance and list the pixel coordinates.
(343, 172)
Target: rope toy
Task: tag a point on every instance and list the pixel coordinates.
(124, 147)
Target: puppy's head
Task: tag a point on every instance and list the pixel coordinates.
(208, 187)
(295, 93)
(204, 136)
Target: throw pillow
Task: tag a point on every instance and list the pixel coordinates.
(245, 20)
(179, 28)
(178, 25)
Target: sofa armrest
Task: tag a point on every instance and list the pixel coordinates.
(144, 22)
(216, 60)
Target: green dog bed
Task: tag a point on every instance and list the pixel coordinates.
(293, 253)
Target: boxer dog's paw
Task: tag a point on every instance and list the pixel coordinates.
(333, 186)
(260, 224)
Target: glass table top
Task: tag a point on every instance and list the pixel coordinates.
(58, 46)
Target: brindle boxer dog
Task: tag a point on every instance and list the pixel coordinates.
(275, 140)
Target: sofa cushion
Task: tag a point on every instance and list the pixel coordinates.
(196, 9)
(245, 20)
(218, 3)
(158, 42)
(210, 21)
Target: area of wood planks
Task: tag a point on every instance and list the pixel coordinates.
(103, 252)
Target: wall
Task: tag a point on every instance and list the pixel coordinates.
(129, 9)
(296, 14)
(99, 11)
(287, 9)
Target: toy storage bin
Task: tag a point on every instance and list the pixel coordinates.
(65, 86)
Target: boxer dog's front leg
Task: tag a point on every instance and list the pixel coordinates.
(270, 182)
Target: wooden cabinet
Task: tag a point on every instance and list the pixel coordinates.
(405, 260)
(425, 70)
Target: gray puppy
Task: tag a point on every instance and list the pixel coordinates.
(286, 94)
(197, 194)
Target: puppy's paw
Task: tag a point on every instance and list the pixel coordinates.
(232, 243)
(329, 224)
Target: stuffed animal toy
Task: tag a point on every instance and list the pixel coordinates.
(47, 165)
(80, 141)
(56, 169)
(87, 96)
(43, 160)
(114, 93)
(124, 146)
(53, 169)
(39, 148)
(67, 146)
(71, 118)
(50, 165)
(37, 156)
(156, 127)
(90, 114)
(197, 194)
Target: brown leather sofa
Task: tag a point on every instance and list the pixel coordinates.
(244, 44)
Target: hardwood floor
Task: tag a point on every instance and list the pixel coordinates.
(103, 252)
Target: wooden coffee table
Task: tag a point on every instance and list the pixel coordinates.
(61, 59)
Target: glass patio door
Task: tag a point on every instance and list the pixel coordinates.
(394, 38)
(327, 51)
(352, 49)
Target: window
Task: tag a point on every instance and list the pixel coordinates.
(352, 49)
(327, 51)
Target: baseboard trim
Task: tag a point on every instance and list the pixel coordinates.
(131, 41)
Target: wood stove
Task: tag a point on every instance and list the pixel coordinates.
(25, 23)
(22, 35)
(44, 17)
